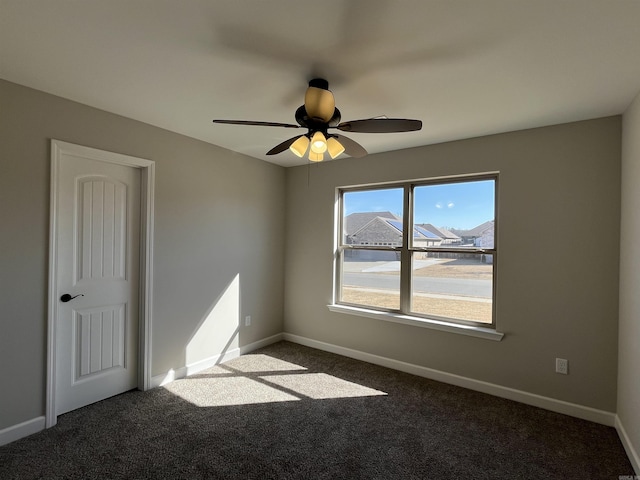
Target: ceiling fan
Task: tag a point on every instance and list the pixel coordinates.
(318, 115)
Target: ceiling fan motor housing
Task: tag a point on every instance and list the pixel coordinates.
(319, 83)
(318, 100)
(305, 120)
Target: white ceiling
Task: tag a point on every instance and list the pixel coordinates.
(464, 67)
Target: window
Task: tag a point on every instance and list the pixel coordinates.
(425, 249)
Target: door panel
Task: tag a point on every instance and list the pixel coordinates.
(102, 218)
(100, 336)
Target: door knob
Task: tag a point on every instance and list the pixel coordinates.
(66, 297)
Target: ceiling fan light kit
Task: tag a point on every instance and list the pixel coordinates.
(334, 147)
(300, 146)
(316, 157)
(317, 115)
(318, 143)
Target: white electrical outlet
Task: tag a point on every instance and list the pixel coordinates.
(247, 321)
(562, 366)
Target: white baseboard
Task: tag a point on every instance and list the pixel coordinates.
(24, 429)
(261, 343)
(634, 458)
(559, 406)
(193, 368)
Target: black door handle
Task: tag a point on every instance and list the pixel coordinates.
(66, 297)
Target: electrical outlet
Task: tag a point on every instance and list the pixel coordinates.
(247, 321)
(562, 366)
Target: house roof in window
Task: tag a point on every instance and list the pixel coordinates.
(439, 231)
(476, 231)
(396, 225)
(355, 221)
(426, 233)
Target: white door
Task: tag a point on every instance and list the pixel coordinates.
(97, 252)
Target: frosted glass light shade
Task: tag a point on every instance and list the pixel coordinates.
(299, 147)
(316, 157)
(318, 143)
(334, 147)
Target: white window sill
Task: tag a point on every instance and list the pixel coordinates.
(473, 331)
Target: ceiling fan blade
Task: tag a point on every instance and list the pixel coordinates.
(351, 148)
(259, 124)
(281, 147)
(381, 125)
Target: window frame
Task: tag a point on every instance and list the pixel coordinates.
(404, 313)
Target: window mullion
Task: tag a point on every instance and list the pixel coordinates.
(405, 254)
(339, 252)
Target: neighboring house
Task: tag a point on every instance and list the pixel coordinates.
(425, 238)
(379, 231)
(355, 221)
(448, 238)
(485, 240)
(387, 232)
(482, 235)
(471, 237)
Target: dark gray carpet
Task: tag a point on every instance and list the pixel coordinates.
(290, 412)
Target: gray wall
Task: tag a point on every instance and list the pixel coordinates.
(629, 343)
(219, 227)
(557, 284)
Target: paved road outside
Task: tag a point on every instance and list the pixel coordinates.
(445, 286)
(376, 275)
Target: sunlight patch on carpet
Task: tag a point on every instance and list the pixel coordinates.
(322, 386)
(256, 378)
(256, 362)
(227, 391)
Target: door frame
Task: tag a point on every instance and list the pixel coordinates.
(147, 177)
